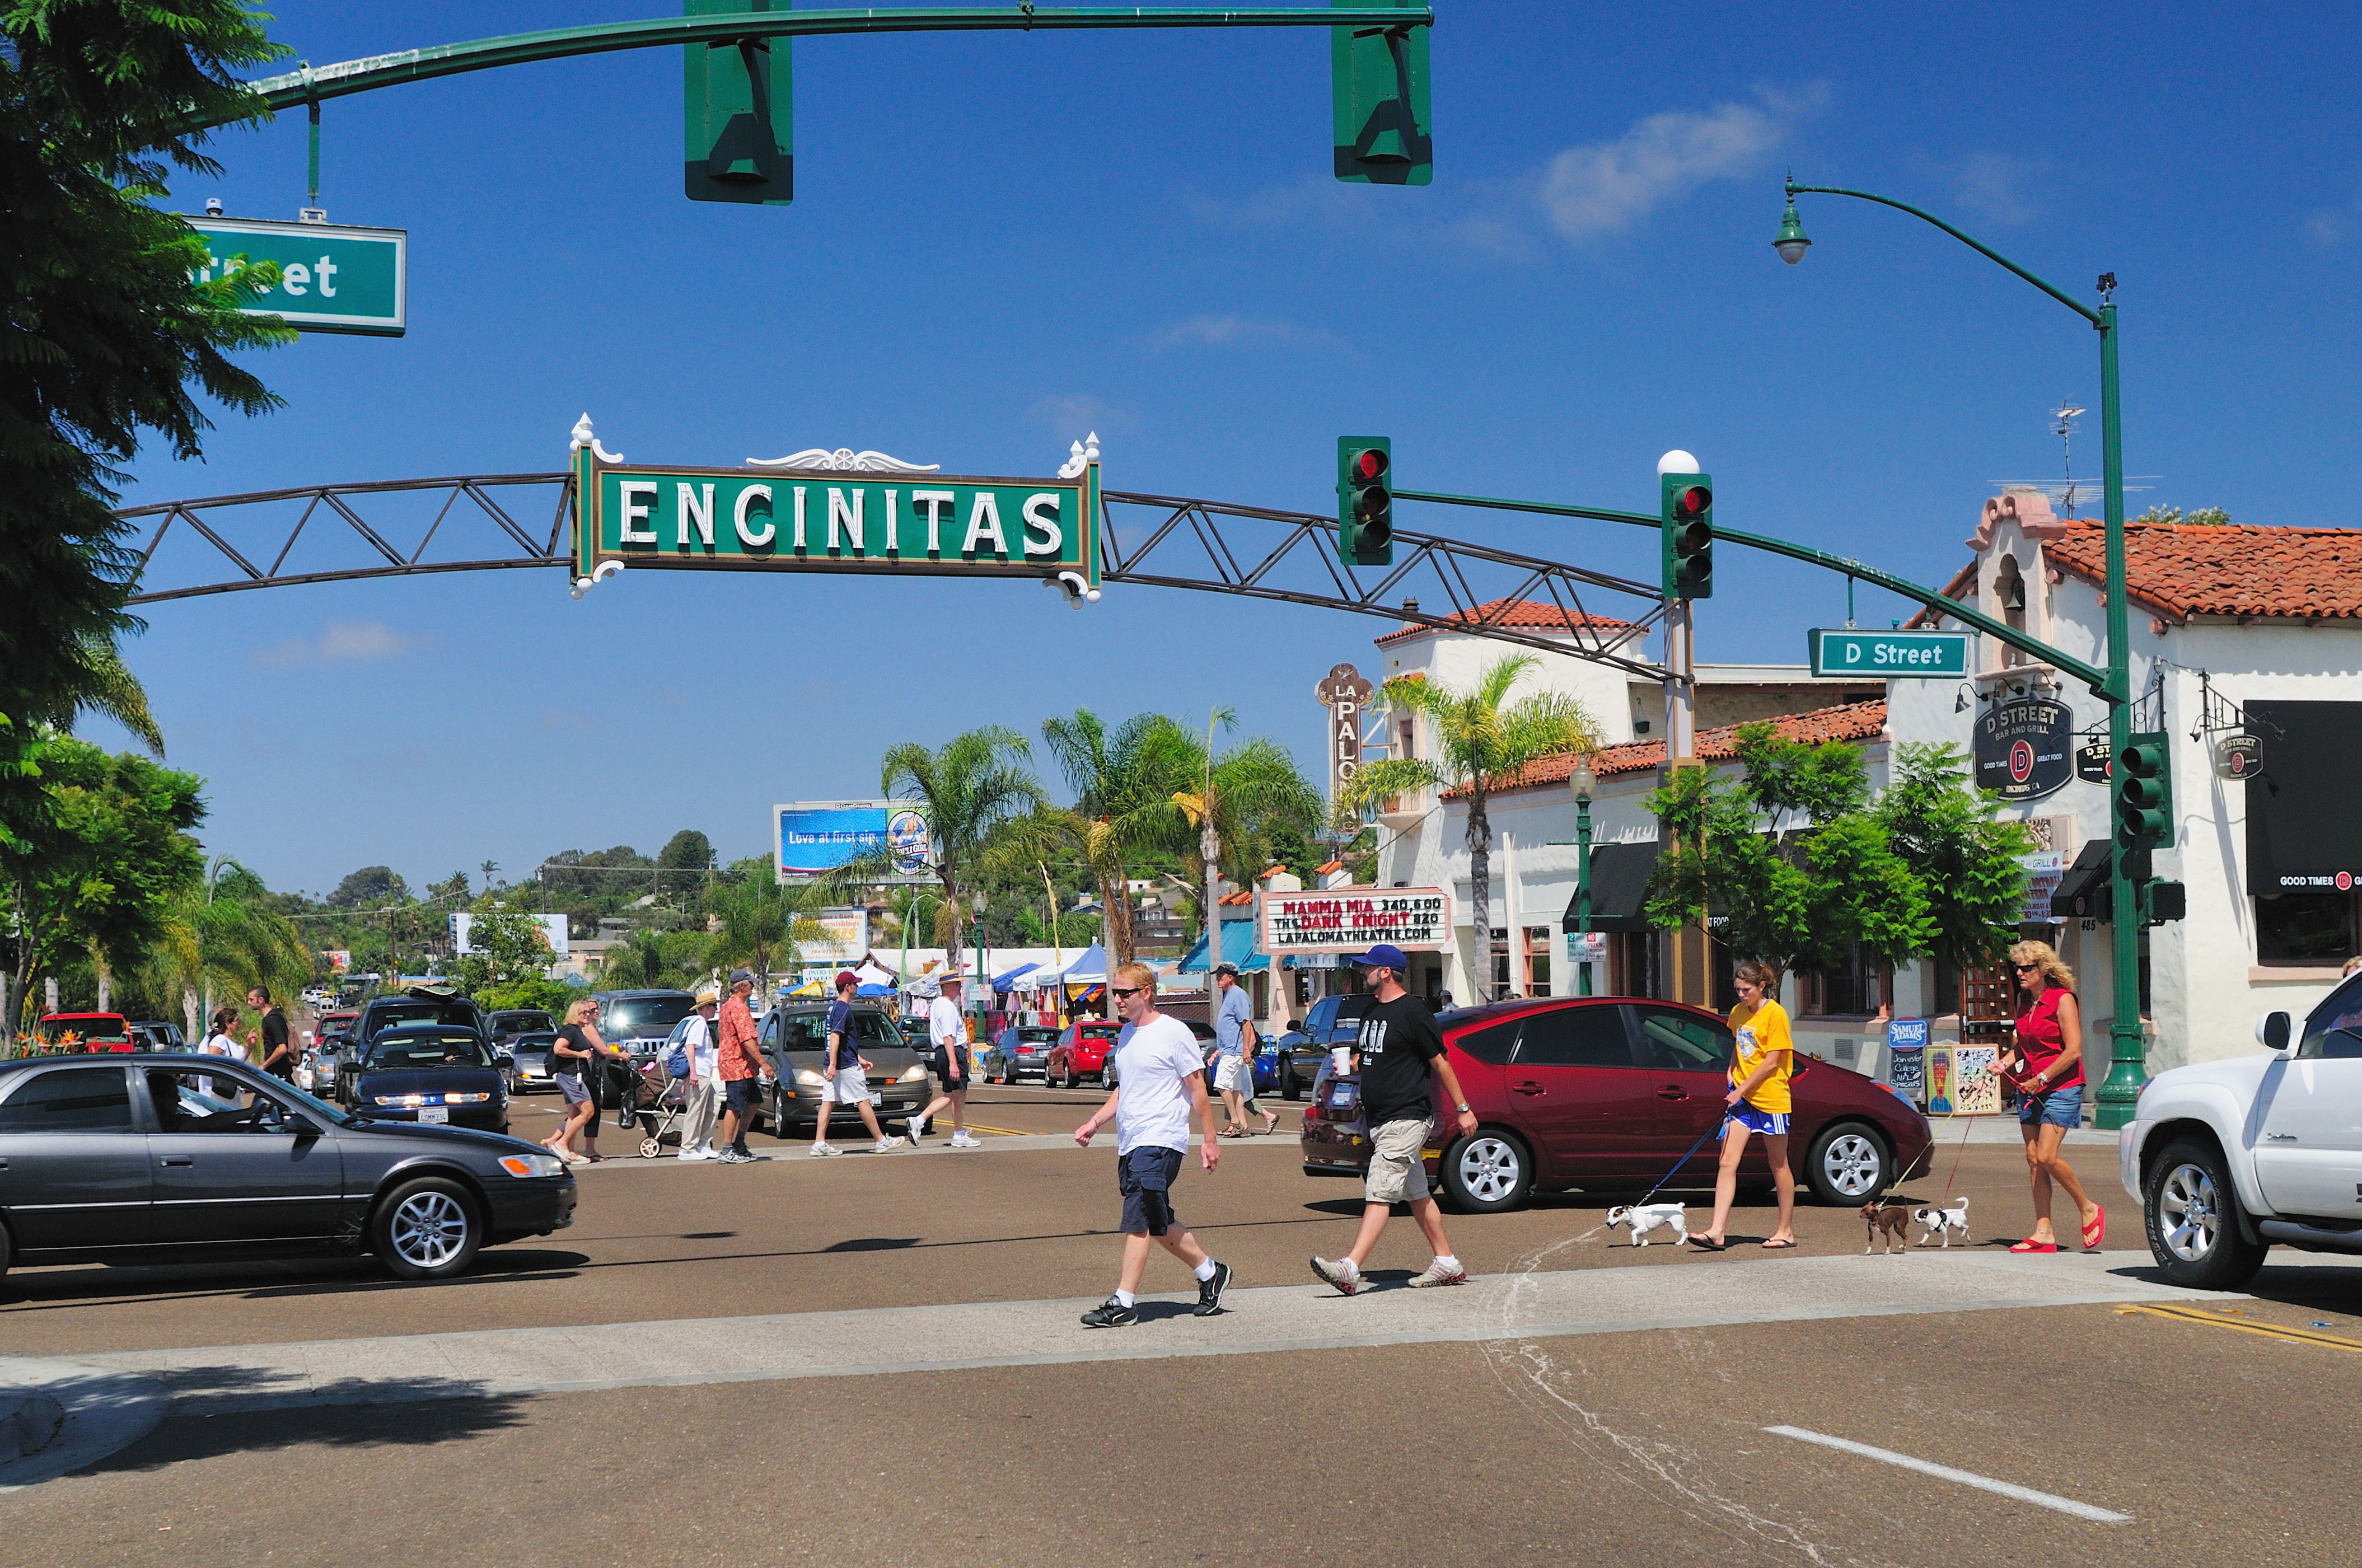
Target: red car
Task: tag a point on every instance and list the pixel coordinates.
(91, 1031)
(1605, 1094)
(1081, 1052)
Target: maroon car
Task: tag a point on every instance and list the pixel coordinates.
(1606, 1093)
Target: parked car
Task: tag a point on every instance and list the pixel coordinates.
(507, 1023)
(794, 1039)
(157, 1034)
(1605, 1094)
(87, 1030)
(336, 1025)
(433, 1074)
(1020, 1049)
(914, 1034)
(530, 1064)
(2230, 1158)
(638, 1023)
(420, 1004)
(1304, 1050)
(121, 1159)
(1082, 1052)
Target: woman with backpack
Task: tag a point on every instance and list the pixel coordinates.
(579, 1054)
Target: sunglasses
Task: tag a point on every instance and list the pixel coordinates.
(2025, 968)
(1120, 991)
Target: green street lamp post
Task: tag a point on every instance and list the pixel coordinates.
(1582, 782)
(2127, 1051)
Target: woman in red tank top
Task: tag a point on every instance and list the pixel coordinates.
(2044, 1059)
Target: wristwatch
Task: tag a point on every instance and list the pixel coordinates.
(1461, 1107)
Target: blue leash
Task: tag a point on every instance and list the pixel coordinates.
(1694, 1148)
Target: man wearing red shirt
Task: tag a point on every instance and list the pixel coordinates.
(739, 1061)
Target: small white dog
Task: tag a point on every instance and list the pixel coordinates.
(1648, 1217)
(1943, 1221)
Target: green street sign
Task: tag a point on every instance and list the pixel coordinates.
(1925, 656)
(332, 277)
(878, 521)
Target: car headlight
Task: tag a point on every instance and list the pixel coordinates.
(401, 1099)
(915, 1073)
(466, 1098)
(809, 1078)
(532, 1164)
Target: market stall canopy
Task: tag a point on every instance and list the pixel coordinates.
(1009, 981)
(1089, 968)
(1238, 948)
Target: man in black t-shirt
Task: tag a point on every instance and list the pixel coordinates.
(1397, 1055)
(277, 1054)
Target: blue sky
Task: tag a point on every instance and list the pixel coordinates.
(1000, 242)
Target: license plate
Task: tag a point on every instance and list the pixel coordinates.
(877, 1098)
(436, 1113)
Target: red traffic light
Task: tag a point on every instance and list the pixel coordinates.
(1369, 464)
(1694, 501)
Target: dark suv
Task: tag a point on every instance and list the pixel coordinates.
(794, 1038)
(421, 1004)
(1304, 1050)
(637, 1023)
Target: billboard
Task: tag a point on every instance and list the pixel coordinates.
(553, 927)
(812, 838)
(1349, 920)
(845, 937)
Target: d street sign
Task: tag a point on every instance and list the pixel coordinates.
(2238, 757)
(332, 278)
(2091, 762)
(1926, 656)
(841, 512)
(2022, 748)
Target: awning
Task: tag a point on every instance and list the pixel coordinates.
(1238, 948)
(1089, 967)
(1619, 888)
(2084, 891)
(2303, 835)
(1005, 982)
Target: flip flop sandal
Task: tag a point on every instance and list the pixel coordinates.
(1778, 1247)
(2097, 1230)
(2031, 1245)
(1704, 1245)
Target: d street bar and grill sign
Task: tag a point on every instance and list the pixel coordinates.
(1350, 920)
(841, 512)
(2025, 748)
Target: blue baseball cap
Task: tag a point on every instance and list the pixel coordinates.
(1384, 956)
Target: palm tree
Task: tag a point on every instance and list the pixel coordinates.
(1234, 801)
(223, 939)
(1481, 745)
(976, 782)
(763, 920)
(1124, 781)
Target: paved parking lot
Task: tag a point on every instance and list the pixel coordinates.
(875, 1359)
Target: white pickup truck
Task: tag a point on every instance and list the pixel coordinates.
(2230, 1157)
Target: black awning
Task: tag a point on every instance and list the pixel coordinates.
(1619, 887)
(2082, 892)
(2303, 833)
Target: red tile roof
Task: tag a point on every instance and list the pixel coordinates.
(1331, 866)
(2179, 569)
(1852, 722)
(1520, 612)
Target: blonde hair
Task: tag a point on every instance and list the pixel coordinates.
(1138, 976)
(579, 1009)
(2045, 958)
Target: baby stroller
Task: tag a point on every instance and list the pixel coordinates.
(653, 1101)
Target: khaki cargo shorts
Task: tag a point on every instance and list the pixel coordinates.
(1397, 1174)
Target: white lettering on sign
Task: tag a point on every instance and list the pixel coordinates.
(930, 503)
(326, 269)
(1350, 920)
(746, 536)
(1042, 511)
(696, 510)
(984, 522)
(1343, 692)
(799, 518)
(295, 278)
(637, 511)
(840, 512)
(893, 525)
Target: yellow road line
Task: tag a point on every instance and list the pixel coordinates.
(1001, 1132)
(2304, 1336)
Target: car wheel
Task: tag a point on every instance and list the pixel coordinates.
(1487, 1172)
(1287, 1089)
(2191, 1212)
(1849, 1165)
(427, 1230)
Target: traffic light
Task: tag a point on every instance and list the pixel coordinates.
(1377, 81)
(1366, 504)
(2144, 793)
(2163, 901)
(739, 131)
(1687, 513)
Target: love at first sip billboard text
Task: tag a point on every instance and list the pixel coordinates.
(812, 838)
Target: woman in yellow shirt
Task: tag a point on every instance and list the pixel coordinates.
(1758, 1102)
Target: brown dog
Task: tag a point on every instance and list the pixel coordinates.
(1889, 1218)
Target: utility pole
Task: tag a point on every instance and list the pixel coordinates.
(1691, 975)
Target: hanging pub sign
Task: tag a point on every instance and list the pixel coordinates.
(1353, 920)
(2091, 762)
(2022, 748)
(2238, 757)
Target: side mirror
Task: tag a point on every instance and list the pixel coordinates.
(2272, 1032)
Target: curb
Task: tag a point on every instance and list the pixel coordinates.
(56, 1416)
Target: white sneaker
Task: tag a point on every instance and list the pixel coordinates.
(886, 1145)
(962, 1141)
(821, 1151)
(693, 1155)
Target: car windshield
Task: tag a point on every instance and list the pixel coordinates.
(404, 1051)
(642, 1015)
(394, 1014)
(1036, 1036)
(515, 1022)
(2335, 1029)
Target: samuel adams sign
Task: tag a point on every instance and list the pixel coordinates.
(2024, 748)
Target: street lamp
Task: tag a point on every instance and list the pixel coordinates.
(1582, 782)
(2127, 1050)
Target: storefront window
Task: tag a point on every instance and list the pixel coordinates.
(2305, 928)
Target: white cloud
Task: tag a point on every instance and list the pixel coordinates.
(1071, 415)
(1223, 330)
(341, 642)
(1993, 185)
(1606, 187)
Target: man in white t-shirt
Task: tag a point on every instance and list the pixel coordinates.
(947, 1037)
(1160, 1083)
(702, 1090)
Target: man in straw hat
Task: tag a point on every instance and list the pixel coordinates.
(948, 1034)
(702, 1090)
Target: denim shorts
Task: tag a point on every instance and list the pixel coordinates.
(1144, 1176)
(571, 1086)
(742, 1094)
(2061, 1106)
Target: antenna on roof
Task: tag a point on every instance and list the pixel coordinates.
(2065, 430)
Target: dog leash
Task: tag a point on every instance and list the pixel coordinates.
(1694, 1148)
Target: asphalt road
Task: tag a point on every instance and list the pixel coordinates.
(1534, 1437)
